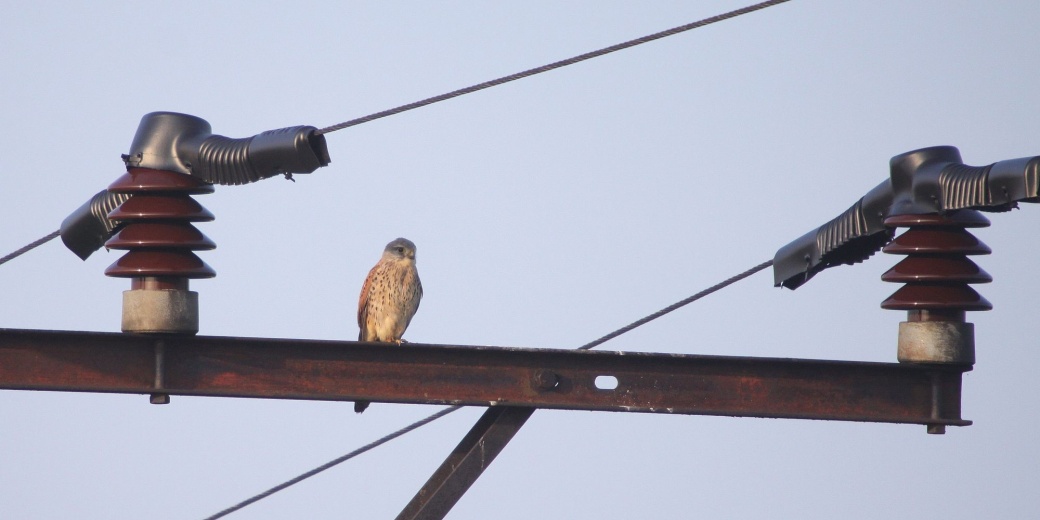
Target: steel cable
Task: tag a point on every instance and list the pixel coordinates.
(676, 305)
(30, 247)
(443, 97)
(446, 411)
(587, 346)
(334, 462)
(495, 82)
(551, 66)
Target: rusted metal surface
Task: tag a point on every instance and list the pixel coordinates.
(480, 376)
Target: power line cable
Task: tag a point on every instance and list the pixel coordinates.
(495, 82)
(30, 247)
(551, 66)
(721, 285)
(334, 462)
(676, 305)
(443, 97)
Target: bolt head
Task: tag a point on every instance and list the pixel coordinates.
(546, 380)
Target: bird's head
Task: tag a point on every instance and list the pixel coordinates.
(400, 249)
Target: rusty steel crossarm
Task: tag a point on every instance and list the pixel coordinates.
(479, 376)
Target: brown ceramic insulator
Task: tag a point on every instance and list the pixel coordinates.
(161, 207)
(951, 297)
(143, 180)
(160, 235)
(955, 219)
(157, 231)
(160, 262)
(938, 241)
(937, 269)
(937, 272)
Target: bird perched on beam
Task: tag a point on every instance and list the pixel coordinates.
(389, 297)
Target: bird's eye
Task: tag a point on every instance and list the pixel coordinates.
(400, 250)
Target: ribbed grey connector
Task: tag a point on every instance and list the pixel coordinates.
(184, 143)
(928, 180)
(1015, 180)
(88, 228)
(849, 238)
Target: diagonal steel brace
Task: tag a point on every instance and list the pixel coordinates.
(466, 462)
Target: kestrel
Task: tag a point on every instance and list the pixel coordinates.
(389, 297)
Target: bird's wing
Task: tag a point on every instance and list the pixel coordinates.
(413, 302)
(418, 297)
(362, 308)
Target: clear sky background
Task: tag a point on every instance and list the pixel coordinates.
(547, 213)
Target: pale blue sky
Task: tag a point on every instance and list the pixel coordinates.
(546, 212)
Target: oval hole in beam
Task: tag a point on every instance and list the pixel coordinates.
(606, 382)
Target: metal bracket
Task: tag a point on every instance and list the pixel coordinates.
(158, 397)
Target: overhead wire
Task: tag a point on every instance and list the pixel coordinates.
(686, 301)
(676, 305)
(499, 81)
(551, 66)
(334, 462)
(587, 346)
(450, 95)
(30, 247)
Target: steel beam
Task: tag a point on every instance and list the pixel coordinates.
(479, 376)
(466, 462)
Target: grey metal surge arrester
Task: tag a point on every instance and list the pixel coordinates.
(928, 180)
(149, 211)
(935, 195)
(186, 144)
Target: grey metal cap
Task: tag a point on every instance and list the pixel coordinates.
(184, 143)
(849, 238)
(88, 228)
(928, 180)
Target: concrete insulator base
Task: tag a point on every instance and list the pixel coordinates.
(161, 311)
(944, 342)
